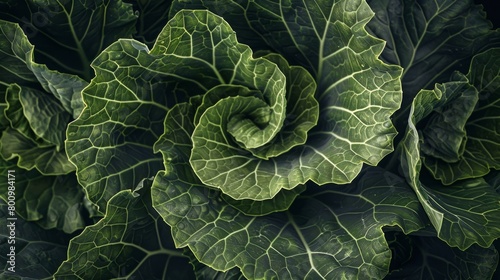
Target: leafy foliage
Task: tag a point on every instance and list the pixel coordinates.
(458, 219)
(130, 241)
(71, 33)
(237, 139)
(39, 251)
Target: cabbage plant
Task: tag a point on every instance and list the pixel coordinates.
(233, 139)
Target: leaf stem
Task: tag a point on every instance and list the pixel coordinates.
(79, 47)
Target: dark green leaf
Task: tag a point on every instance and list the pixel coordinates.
(152, 17)
(427, 257)
(329, 232)
(50, 201)
(444, 135)
(111, 141)
(465, 212)
(38, 252)
(18, 67)
(45, 159)
(233, 12)
(69, 34)
(481, 151)
(430, 39)
(129, 241)
(205, 272)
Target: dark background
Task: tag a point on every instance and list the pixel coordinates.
(492, 8)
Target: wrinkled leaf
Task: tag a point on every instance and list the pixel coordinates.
(321, 36)
(233, 12)
(444, 135)
(328, 232)
(463, 213)
(129, 241)
(174, 147)
(44, 114)
(31, 155)
(205, 272)
(50, 201)
(481, 152)
(39, 103)
(14, 113)
(111, 141)
(126, 113)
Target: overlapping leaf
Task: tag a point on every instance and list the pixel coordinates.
(430, 39)
(50, 201)
(327, 233)
(262, 155)
(130, 241)
(111, 141)
(39, 104)
(174, 146)
(424, 256)
(481, 143)
(205, 272)
(467, 211)
(356, 98)
(69, 34)
(233, 12)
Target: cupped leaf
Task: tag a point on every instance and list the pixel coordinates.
(356, 98)
(430, 39)
(174, 146)
(444, 135)
(231, 63)
(38, 252)
(69, 34)
(129, 241)
(245, 115)
(326, 233)
(111, 141)
(481, 150)
(427, 257)
(463, 213)
(53, 202)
